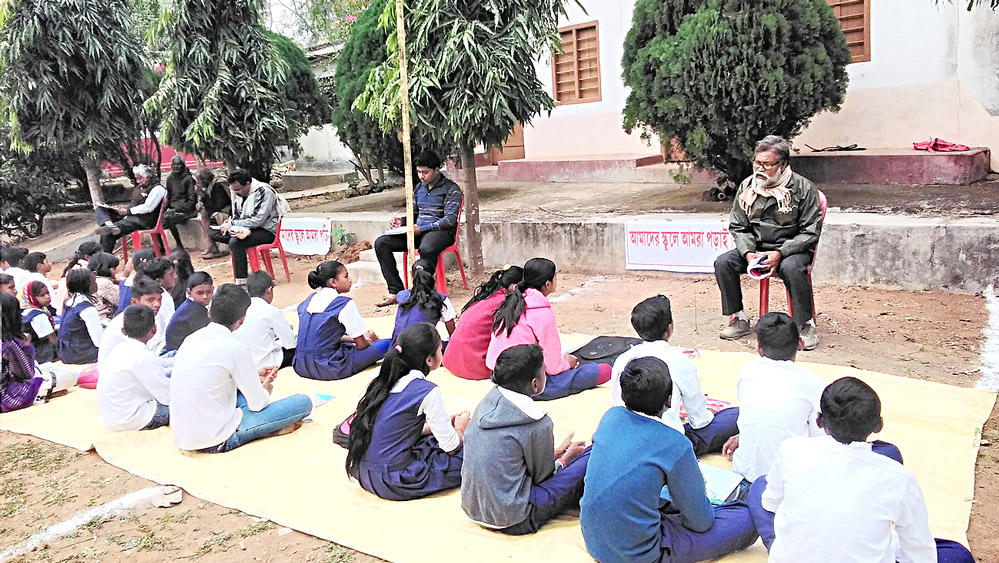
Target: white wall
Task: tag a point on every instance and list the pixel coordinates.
(322, 147)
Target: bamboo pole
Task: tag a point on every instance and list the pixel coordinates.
(407, 148)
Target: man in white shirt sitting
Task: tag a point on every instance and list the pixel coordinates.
(652, 319)
(116, 222)
(218, 397)
(133, 391)
(778, 399)
(836, 499)
(266, 331)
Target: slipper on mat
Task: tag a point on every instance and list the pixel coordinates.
(88, 377)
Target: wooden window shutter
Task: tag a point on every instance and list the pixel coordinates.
(855, 21)
(576, 72)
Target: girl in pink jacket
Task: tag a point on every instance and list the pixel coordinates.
(526, 317)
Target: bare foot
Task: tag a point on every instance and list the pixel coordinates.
(287, 429)
(390, 300)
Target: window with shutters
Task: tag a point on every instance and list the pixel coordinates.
(576, 71)
(855, 21)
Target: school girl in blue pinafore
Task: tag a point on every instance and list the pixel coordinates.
(333, 340)
(139, 258)
(389, 453)
(423, 304)
(80, 330)
(39, 323)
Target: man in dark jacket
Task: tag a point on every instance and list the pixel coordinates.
(182, 199)
(776, 218)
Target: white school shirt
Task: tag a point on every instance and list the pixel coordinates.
(113, 336)
(686, 386)
(167, 308)
(449, 313)
(265, 331)
(35, 276)
(838, 502)
(20, 276)
(42, 325)
(777, 400)
(349, 317)
(432, 407)
(209, 368)
(130, 387)
(91, 319)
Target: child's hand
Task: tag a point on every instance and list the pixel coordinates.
(461, 421)
(560, 450)
(267, 374)
(730, 446)
(572, 452)
(371, 336)
(573, 360)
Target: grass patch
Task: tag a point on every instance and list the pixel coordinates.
(338, 554)
(35, 456)
(173, 518)
(15, 491)
(100, 483)
(253, 529)
(216, 543)
(96, 523)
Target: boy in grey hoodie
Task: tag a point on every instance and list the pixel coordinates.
(513, 478)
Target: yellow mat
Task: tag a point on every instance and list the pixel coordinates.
(298, 480)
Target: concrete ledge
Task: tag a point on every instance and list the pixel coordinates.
(573, 169)
(894, 166)
(305, 179)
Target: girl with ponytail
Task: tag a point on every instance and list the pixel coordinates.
(465, 355)
(333, 340)
(403, 445)
(526, 317)
(423, 304)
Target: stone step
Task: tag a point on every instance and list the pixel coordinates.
(368, 273)
(304, 180)
(367, 256)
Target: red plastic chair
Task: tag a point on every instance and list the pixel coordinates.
(440, 277)
(158, 230)
(262, 252)
(765, 283)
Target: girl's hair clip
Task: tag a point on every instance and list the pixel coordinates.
(507, 267)
(398, 348)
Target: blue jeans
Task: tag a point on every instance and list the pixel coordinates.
(160, 418)
(732, 530)
(273, 417)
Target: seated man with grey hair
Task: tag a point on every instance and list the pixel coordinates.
(776, 216)
(142, 214)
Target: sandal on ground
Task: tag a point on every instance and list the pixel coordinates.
(390, 300)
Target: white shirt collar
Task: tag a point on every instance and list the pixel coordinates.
(526, 404)
(406, 379)
(321, 299)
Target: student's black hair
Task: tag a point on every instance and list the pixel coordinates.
(258, 283)
(102, 263)
(181, 260)
(417, 343)
(140, 257)
(84, 251)
(199, 278)
(79, 280)
(501, 279)
(156, 268)
(32, 260)
(145, 285)
(423, 293)
(10, 319)
(517, 366)
(428, 159)
(651, 318)
(537, 272)
(240, 176)
(777, 336)
(229, 304)
(6, 279)
(324, 272)
(13, 255)
(646, 385)
(851, 410)
(138, 321)
(36, 288)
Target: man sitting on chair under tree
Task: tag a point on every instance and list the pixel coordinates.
(776, 215)
(254, 220)
(116, 222)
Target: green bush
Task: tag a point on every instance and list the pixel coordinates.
(721, 74)
(34, 185)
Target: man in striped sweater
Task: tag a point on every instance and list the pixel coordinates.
(254, 220)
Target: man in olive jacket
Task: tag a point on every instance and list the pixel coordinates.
(776, 215)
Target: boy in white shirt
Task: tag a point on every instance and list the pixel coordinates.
(219, 400)
(146, 292)
(837, 498)
(652, 319)
(777, 398)
(266, 331)
(133, 392)
(38, 266)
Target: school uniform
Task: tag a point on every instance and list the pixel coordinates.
(416, 315)
(705, 430)
(167, 307)
(113, 336)
(510, 480)
(268, 335)
(132, 388)
(621, 514)
(323, 318)
(465, 355)
(37, 324)
(777, 400)
(537, 326)
(189, 318)
(20, 276)
(80, 331)
(39, 277)
(401, 463)
(124, 293)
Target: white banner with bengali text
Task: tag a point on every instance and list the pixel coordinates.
(306, 236)
(689, 245)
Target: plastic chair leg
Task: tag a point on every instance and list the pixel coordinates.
(440, 275)
(461, 269)
(764, 296)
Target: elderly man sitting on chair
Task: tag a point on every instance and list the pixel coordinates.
(776, 218)
(144, 212)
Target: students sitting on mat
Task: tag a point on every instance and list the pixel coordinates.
(133, 391)
(19, 384)
(192, 315)
(778, 398)
(80, 259)
(465, 355)
(139, 258)
(105, 269)
(39, 324)
(634, 455)
(38, 266)
(513, 478)
(423, 304)
(333, 340)
(836, 499)
(219, 400)
(80, 329)
(403, 444)
(652, 319)
(265, 331)
(526, 317)
(147, 292)
(163, 272)
(181, 260)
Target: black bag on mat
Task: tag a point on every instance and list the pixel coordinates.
(604, 349)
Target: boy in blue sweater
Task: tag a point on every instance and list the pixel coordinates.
(633, 456)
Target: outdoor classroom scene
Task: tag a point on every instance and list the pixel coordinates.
(615, 280)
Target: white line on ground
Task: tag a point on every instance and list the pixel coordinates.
(990, 350)
(587, 286)
(65, 527)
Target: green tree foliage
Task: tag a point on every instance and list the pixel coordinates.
(69, 77)
(34, 185)
(301, 92)
(720, 74)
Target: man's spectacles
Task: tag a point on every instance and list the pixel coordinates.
(757, 165)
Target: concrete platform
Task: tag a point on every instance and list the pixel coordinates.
(596, 168)
(894, 166)
(309, 179)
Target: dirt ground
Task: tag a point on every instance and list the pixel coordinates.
(927, 335)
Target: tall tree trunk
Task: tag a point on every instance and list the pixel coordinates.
(473, 230)
(93, 170)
